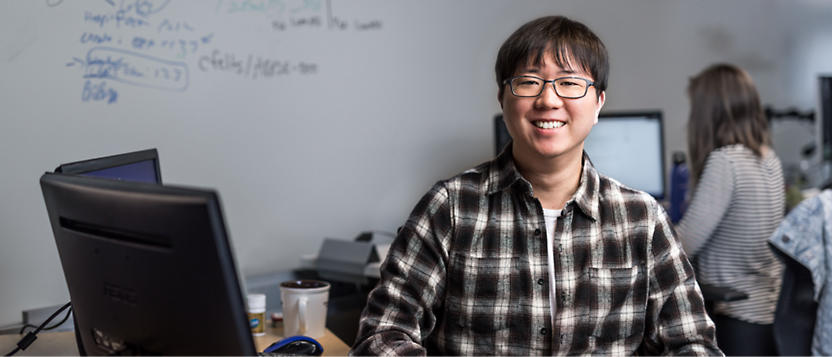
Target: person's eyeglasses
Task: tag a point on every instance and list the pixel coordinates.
(565, 87)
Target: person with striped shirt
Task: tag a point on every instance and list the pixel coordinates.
(737, 202)
(536, 252)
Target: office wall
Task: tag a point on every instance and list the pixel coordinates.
(325, 118)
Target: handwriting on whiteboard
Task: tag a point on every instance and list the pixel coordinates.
(296, 14)
(136, 69)
(141, 43)
(252, 67)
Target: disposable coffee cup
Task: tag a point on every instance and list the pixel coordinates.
(305, 305)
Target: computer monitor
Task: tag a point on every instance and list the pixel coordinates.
(141, 166)
(629, 147)
(149, 268)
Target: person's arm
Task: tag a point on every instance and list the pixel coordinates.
(676, 321)
(400, 311)
(710, 201)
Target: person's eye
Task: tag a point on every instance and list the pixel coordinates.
(528, 82)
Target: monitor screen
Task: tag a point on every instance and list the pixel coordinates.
(141, 166)
(629, 147)
(149, 268)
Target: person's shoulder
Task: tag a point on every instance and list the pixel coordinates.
(725, 157)
(639, 209)
(610, 186)
(739, 155)
(612, 189)
(479, 170)
(735, 152)
(475, 178)
(729, 152)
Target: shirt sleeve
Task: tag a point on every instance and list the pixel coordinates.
(676, 321)
(710, 201)
(400, 310)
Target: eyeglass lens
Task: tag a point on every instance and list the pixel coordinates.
(564, 87)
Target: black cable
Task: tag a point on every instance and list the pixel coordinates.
(66, 317)
(32, 336)
(41, 327)
(13, 352)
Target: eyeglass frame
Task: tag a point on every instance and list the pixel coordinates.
(542, 88)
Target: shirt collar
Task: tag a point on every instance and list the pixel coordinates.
(503, 174)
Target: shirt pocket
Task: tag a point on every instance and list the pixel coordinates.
(480, 292)
(616, 300)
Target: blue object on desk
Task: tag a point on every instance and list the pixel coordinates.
(679, 178)
(299, 345)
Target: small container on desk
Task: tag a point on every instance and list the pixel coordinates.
(257, 314)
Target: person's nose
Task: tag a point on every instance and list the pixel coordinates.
(549, 99)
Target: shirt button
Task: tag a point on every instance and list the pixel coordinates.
(537, 232)
(540, 281)
(543, 331)
(785, 239)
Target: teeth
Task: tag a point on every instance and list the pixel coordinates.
(549, 124)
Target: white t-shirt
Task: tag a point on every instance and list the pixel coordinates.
(551, 217)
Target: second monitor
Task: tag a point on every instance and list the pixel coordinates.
(629, 147)
(139, 166)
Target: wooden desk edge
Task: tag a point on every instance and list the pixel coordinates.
(333, 346)
(63, 343)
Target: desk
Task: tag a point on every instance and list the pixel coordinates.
(333, 346)
(63, 343)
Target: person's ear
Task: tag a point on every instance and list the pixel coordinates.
(601, 100)
(500, 97)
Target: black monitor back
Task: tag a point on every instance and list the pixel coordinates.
(141, 166)
(147, 266)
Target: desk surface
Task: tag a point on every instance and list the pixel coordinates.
(63, 343)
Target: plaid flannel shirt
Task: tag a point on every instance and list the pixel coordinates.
(468, 275)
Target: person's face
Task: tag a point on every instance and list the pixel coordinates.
(548, 126)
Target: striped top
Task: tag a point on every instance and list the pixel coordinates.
(737, 204)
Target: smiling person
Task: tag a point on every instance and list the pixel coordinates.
(535, 252)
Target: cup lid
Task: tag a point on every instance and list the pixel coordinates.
(304, 284)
